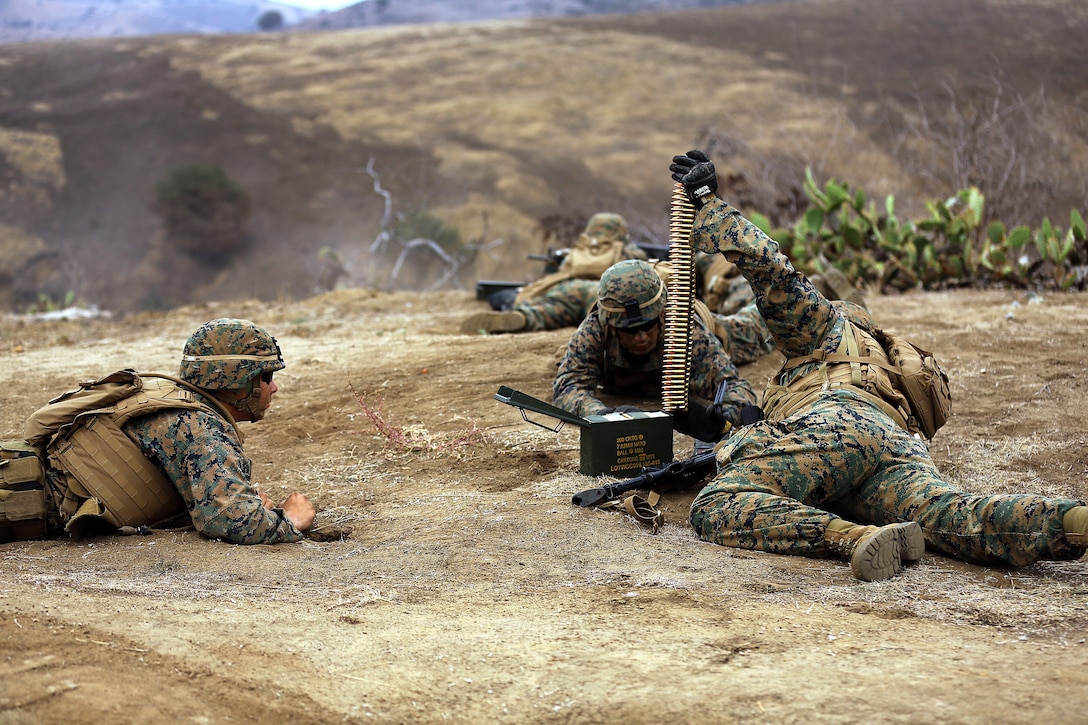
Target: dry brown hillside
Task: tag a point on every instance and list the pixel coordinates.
(495, 127)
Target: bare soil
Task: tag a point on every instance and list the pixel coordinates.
(450, 579)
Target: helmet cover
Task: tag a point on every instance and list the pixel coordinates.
(607, 227)
(630, 294)
(226, 354)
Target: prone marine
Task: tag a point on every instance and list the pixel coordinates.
(131, 451)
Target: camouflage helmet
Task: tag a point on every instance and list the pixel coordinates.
(225, 354)
(630, 294)
(607, 227)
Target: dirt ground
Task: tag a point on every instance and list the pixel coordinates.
(450, 579)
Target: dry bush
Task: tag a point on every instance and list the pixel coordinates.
(991, 136)
(204, 210)
(416, 439)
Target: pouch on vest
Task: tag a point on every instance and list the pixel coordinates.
(104, 464)
(921, 380)
(22, 492)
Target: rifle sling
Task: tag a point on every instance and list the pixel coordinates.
(642, 510)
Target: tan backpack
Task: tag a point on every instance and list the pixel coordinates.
(587, 259)
(101, 472)
(921, 380)
(918, 398)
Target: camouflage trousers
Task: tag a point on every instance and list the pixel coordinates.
(737, 295)
(778, 483)
(744, 334)
(563, 305)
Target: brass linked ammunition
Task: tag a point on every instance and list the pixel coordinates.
(676, 366)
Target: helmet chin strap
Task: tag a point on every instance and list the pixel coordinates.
(250, 402)
(252, 405)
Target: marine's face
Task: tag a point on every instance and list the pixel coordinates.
(641, 340)
(268, 389)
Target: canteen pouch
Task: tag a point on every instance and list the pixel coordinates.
(22, 492)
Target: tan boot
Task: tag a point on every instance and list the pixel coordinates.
(494, 322)
(875, 553)
(1075, 523)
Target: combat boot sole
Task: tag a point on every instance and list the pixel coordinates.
(494, 322)
(880, 555)
(912, 542)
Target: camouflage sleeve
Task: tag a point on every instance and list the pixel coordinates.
(710, 367)
(798, 316)
(200, 454)
(581, 370)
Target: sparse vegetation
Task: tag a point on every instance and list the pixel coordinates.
(46, 303)
(270, 20)
(951, 247)
(415, 439)
(580, 126)
(204, 210)
(992, 137)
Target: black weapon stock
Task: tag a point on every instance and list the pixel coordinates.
(671, 476)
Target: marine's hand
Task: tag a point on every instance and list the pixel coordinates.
(299, 511)
(266, 501)
(702, 422)
(696, 172)
(622, 409)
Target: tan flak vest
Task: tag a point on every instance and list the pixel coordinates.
(860, 363)
(103, 472)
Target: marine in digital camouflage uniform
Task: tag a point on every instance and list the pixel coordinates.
(201, 454)
(563, 299)
(780, 480)
(229, 363)
(618, 350)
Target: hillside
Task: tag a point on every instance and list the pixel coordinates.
(450, 580)
(24, 21)
(400, 12)
(32, 20)
(505, 129)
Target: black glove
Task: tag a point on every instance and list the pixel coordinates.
(702, 422)
(622, 409)
(696, 172)
(503, 299)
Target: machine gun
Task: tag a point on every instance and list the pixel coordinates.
(672, 476)
(553, 260)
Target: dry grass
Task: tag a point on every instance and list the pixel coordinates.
(495, 126)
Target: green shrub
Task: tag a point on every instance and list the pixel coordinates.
(270, 20)
(205, 212)
(424, 225)
(949, 248)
